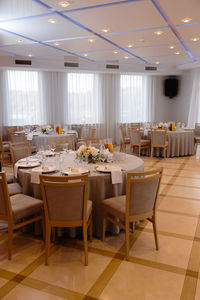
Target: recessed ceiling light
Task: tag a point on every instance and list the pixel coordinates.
(129, 46)
(115, 52)
(195, 39)
(91, 40)
(126, 57)
(30, 55)
(56, 44)
(171, 47)
(186, 20)
(20, 41)
(158, 32)
(64, 3)
(105, 30)
(52, 21)
(177, 53)
(85, 54)
(157, 62)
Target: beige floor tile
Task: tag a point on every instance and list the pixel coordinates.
(66, 269)
(190, 173)
(111, 243)
(175, 224)
(197, 296)
(25, 251)
(21, 292)
(2, 282)
(181, 191)
(170, 250)
(187, 181)
(132, 281)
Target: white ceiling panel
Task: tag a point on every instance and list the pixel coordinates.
(189, 32)
(128, 16)
(6, 39)
(157, 51)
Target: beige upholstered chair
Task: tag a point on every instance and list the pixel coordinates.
(124, 140)
(19, 151)
(18, 137)
(138, 204)
(79, 129)
(61, 142)
(10, 129)
(136, 141)
(159, 140)
(197, 134)
(66, 204)
(16, 208)
(4, 150)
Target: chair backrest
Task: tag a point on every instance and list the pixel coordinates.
(92, 132)
(17, 137)
(158, 137)
(5, 206)
(197, 129)
(142, 192)
(94, 142)
(1, 144)
(135, 136)
(60, 142)
(79, 129)
(10, 129)
(65, 198)
(19, 151)
(123, 131)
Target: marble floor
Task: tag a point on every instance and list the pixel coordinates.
(171, 273)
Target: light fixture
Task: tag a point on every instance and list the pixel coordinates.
(52, 21)
(171, 47)
(195, 39)
(30, 55)
(105, 30)
(177, 53)
(158, 32)
(85, 54)
(157, 62)
(91, 40)
(56, 44)
(126, 57)
(186, 20)
(64, 3)
(20, 41)
(115, 52)
(129, 46)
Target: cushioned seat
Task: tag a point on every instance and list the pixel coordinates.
(24, 206)
(116, 205)
(14, 188)
(6, 147)
(10, 178)
(127, 140)
(145, 142)
(33, 149)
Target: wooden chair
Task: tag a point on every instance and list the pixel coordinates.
(79, 129)
(65, 141)
(4, 150)
(136, 125)
(17, 137)
(197, 134)
(19, 151)
(94, 142)
(139, 203)
(124, 140)
(16, 208)
(159, 140)
(92, 132)
(66, 204)
(10, 129)
(136, 141)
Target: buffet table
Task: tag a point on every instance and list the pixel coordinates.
(100, 185)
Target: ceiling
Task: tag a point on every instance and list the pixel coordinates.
(101, 31)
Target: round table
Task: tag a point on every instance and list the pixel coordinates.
(100, 186)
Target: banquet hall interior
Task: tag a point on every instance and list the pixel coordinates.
(100, 149)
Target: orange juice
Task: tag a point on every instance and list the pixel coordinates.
(106, 146)
(110, 147)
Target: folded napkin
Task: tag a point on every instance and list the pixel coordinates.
(116, 176)
(35, 176)
(29, 137)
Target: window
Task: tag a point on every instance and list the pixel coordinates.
(84, 98)
(133, 99)
(23, 101)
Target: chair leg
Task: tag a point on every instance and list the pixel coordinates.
(10, 241)
(53, 230)
(47, 243)
(85, 244)
(103, 228)
(139, 150)
(90, 228)
(155, 232)
(127, 240)
(133, 226)
(151, 151)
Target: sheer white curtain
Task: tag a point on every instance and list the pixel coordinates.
(23, 101)
(194, 111)
(136, 98)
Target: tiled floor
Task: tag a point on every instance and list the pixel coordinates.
(170, 273)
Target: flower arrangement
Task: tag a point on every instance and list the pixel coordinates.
(88, 153)
(47, 129)
(162, 125)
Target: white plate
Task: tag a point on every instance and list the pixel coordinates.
(46, 169)
(108, 169)
(28, 164)
(47, 153)
(75, 171)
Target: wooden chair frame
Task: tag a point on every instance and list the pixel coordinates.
(2, 152)
(9, 218)
(150, 216)
(10, 129)
(139, 145)
(123, 143)
(17, 134)
(89, 141)
(50, 225)
(79, 129)
(62, 140)
(164, 146)
(19, 146)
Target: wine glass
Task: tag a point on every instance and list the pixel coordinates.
(53, 147)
